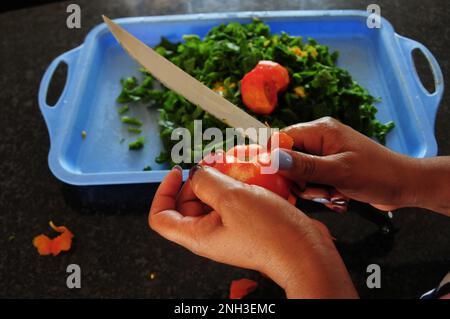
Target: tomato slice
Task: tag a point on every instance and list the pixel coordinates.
(259, 93)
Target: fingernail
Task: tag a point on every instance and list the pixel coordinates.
(193, 170)
(285, 161)
(339, 202)
(178, 167)
(321, 200)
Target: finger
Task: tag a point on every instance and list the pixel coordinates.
(211, 186)
(297, 166)
(316, 194)
(307, 137)
(317, 137)
(188, 231)
(187, 202)
(166, 194)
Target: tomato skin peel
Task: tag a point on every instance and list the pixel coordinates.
(242, 287)
(53, 246)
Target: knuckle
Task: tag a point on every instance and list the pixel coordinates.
(329, 123)
(306, 166)
(231, 196)
(345, 168)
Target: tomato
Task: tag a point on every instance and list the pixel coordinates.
(245, 152)
(247, 169)
(277, 73)
(259, 94)
(260, 86)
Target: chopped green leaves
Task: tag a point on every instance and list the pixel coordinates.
(227, 53)
(134, 130)
(131, 120)
(123, 109)
(137, 144)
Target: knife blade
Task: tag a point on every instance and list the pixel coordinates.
(181, 82)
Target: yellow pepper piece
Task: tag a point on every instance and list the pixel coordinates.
(300, 91)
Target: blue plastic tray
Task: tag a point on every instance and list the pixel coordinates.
(379, 59)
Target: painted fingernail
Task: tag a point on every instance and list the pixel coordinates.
(339, 202)
(321, 200)
(178, 168)
(285, 161)
(193, 170)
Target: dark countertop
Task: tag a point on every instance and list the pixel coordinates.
(114, 246)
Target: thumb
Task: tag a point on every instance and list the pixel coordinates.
(212, 187)
(297, 166)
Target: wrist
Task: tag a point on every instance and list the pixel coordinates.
(431, 186)
(311, 268)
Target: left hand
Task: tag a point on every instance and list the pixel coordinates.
(248, 226)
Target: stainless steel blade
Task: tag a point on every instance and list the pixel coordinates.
(181, 82)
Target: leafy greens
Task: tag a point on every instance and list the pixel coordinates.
(318, 87)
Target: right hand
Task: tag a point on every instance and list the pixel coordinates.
(334, 154)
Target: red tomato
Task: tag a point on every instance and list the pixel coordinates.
(245, 152)
(273, 182)
(259, 93)
(276, 73)
(260, 86)
(248, 169)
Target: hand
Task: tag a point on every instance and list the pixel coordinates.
(358, 167)
(248, 226)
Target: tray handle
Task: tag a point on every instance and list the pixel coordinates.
(431, 100)
(49, 112)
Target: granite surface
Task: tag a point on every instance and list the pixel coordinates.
(113, 245)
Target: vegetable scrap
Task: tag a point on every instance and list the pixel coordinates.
(131, 120)
(134, 130)
(242, 287)
(232, 58)
(123, 109)
(147, 168)
(54, 246)
(137, 144)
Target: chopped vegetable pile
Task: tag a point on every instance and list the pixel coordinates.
(316, 87)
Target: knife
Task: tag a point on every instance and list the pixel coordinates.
(184, 84)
